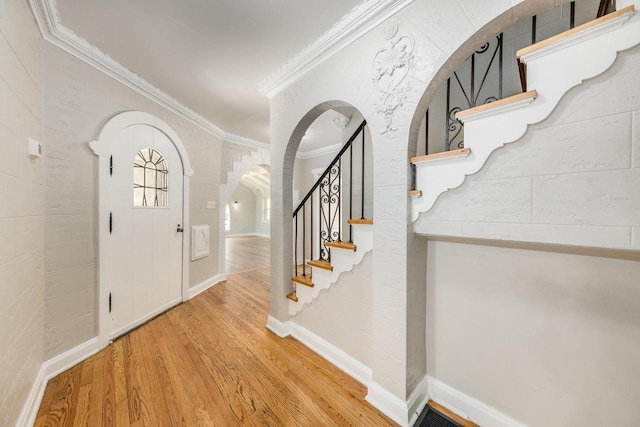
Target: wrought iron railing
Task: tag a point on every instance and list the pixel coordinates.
(326, 202)
(468, 84)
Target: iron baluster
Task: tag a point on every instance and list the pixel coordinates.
(572, 15)
(362, 193)
(339, 201)
(295, 256)
(311, 236)
(304, 243)
(426, 133)
(534, 27)
(350, 192)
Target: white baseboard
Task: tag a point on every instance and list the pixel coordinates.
(281, 329)
(418, 399)
(333, 354)
(403, 413)
(468, 407)
(248, 235)
(388, 403)
(32, 405)
(70, 358)
(198, 289)
(50, 369)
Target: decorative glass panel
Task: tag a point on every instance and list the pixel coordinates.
(150, 175)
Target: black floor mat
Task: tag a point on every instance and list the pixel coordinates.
(433, 418)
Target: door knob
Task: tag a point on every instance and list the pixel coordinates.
(179, 229)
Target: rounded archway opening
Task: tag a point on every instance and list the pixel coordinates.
(247, 217)
(330, 164)
(484, 69)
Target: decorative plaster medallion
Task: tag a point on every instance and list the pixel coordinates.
(391, 66)
(342, 122)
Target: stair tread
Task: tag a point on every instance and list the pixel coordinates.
(442, 156)
(360, 221)
(303, 280)
(320, 263)
(497, 104)
(415, 193)
(573, 31)
(293, 297)
(342, 245)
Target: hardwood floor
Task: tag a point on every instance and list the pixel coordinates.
(246, 253)
(208, 362)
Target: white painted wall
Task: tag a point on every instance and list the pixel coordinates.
(243, 214)
(22, 306)
(263, 228)
(549, 337)
(77, 101)
(342, 314)
(571, 180)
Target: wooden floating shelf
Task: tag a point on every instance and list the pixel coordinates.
(342, 245)
(445, 155)
(360, 221)
(320, 263)
(292, 296)
(303, 280)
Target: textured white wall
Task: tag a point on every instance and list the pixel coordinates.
(21, 208)
(550, 338)
(77, 102)
(572, 179)
(342, 314)
(243, 215)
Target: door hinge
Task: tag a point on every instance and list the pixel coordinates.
(111, 166)
(109, 302)
(110, 222)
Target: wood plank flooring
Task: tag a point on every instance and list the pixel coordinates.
(246, 253)
(208, 362)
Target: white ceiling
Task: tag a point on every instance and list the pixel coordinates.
(208, 54)
(257, 179)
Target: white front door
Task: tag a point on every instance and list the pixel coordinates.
(144, 269)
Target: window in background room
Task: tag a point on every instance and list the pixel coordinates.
(227, 218)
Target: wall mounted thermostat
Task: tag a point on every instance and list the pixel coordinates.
(34, 148)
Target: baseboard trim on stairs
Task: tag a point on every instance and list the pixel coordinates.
(468, 407)
(212, 281)
(347, 363)
(50, 369)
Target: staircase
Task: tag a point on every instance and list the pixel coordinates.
(552, 67)
(325, 245)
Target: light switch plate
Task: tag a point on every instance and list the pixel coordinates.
(211, 204)
(34, 148)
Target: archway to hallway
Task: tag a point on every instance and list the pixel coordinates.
(247, 216)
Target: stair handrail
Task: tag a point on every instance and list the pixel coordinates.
(331, 165)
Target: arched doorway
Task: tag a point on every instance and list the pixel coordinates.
(143, 186)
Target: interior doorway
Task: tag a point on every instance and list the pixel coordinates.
(143, 191)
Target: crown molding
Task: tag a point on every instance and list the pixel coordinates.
(319, 152)
(52, 30)
(352, 26)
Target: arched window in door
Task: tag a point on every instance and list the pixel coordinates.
(150, 175)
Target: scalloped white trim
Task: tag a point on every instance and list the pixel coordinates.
(50, 25)
(352, 26)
